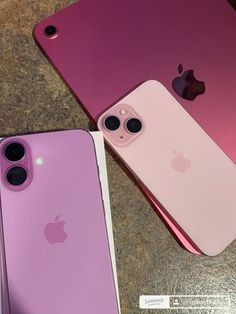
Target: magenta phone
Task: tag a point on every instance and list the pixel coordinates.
(56, 252)
(103, 49)
(180, 165)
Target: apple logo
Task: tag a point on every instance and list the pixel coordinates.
(186, 85)
(54, 231)
(233, 3)
(180, 163)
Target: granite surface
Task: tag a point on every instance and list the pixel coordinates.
(149, 260)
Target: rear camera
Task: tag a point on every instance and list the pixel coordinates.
(14, 152)
(50, 31)
(134, 125)
(112, 123)
(16, 175)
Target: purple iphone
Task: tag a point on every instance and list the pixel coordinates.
(56, 253)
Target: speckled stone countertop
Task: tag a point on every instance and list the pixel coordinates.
(149, 260)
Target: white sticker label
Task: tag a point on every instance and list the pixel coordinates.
(154, 302)
(209, 302)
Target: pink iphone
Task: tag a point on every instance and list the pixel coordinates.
(104, 48)
(56, 253)
(190, 177)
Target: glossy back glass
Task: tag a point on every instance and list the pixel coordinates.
(55, 239)
(180, 165)
(103, 49)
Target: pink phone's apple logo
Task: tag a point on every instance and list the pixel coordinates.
(186, 85)
(54, 231)
(180, 163)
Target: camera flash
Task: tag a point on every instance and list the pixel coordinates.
(39, 161)
(123, 112)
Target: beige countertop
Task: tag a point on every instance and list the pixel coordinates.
(149, 260)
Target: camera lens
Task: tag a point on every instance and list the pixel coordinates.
(14, 151)
(112, 123)
(134, 125)
(16, 175)
(50, 31)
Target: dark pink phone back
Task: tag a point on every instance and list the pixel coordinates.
(106, 48)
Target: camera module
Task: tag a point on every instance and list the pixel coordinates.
(16, 175)
(14, 152)
(134, 125)
(112, 123)
(50, 31)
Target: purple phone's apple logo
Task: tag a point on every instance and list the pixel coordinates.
(54, 231)
(180, 163)
(186, 85)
